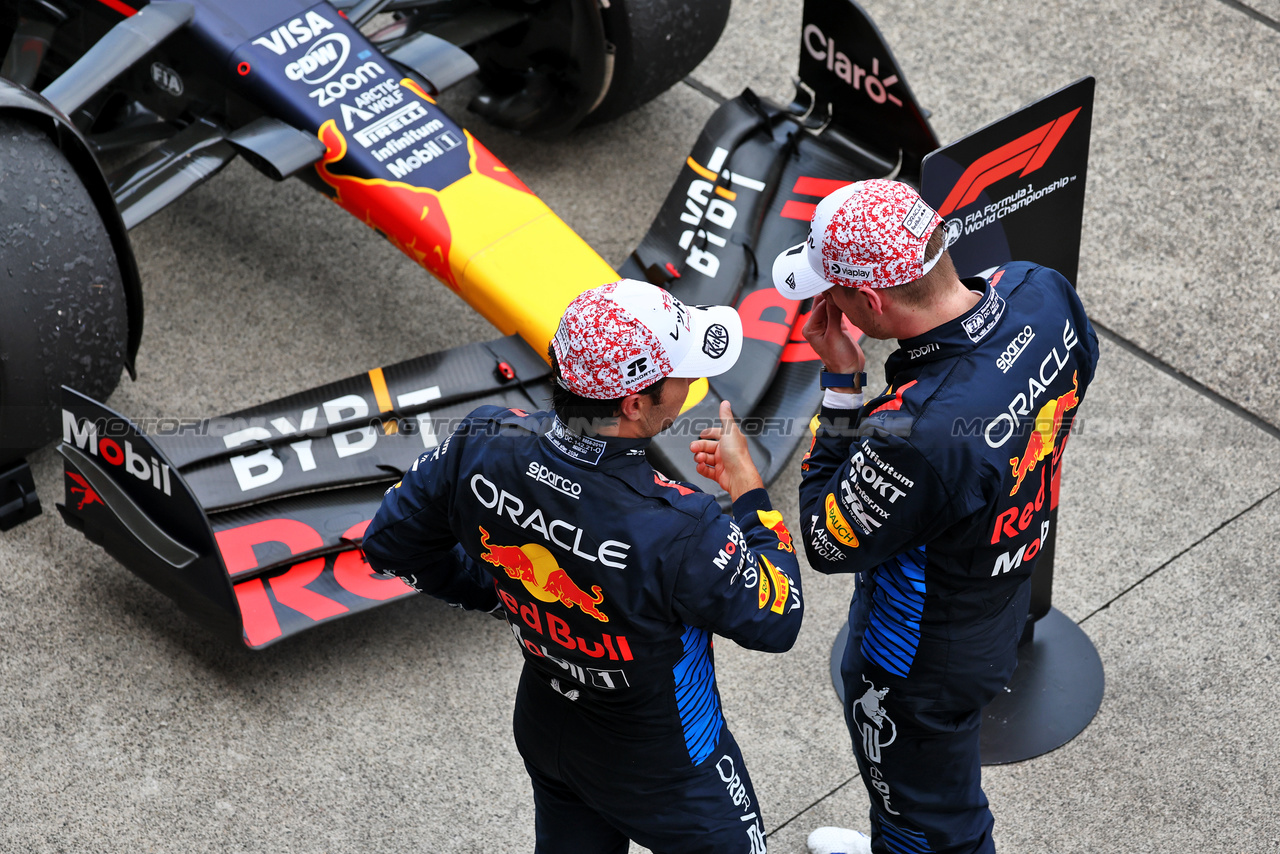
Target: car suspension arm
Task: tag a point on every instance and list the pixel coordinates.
(122, 46)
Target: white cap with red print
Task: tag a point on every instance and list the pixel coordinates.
(871, 234)
(620, 338)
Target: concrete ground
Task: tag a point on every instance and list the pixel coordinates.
(125, 727)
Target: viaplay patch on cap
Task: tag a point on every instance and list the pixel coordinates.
(870, 234)
(877, 236)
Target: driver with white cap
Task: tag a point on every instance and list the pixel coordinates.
(611, 578)
(936, 493)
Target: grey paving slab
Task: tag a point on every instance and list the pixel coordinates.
(1183, 212)
(1154, 772)
(760, 49)
(847, 806)
(1154, 468)
(1202, 633)
(1268, 8)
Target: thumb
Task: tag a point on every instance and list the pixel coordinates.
(727, 424)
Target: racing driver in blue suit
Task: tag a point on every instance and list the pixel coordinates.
(611, 578)
(936, 493)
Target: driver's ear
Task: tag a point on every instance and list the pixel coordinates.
(630, 407)
(875, 300)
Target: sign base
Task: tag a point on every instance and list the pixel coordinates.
(1052, 697)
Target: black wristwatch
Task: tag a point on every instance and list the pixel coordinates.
(856, 381)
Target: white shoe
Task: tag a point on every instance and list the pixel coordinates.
(837, 840)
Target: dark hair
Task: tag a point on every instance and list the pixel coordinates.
(922, 290)
(586, 414)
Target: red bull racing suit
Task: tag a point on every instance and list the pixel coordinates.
(613, 580)
(938, 493)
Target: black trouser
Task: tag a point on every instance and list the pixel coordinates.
(593, 794)
(916, 737)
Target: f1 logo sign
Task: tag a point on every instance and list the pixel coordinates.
(1027, 153)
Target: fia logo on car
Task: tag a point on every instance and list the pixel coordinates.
(166, 78)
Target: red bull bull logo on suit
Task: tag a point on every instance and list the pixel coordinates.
(537, 569)
(772, 520)
(1048, 424)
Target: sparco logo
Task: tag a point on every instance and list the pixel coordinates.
(1014, 349)
(821, 48)
(556, 481)
(329, 52)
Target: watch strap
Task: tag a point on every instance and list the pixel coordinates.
(856, 380)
